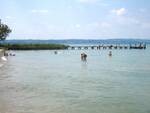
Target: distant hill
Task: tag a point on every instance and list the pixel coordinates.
(80, 41)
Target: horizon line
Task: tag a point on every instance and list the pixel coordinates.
(88, 39)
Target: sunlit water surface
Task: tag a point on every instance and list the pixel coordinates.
(42, 82)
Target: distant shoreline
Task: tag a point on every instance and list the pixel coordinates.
(78, 41)
(63, 44)
(33, 46)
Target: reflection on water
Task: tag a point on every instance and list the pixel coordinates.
(84, 64)
(44, 82)
(3, 58)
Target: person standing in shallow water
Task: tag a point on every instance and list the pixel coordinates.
(83, 56)
(55, 52)
(110, 53)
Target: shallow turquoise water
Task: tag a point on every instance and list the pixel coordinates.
(42, 82)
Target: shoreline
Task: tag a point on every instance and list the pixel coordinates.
(34, 46)
(1, 52)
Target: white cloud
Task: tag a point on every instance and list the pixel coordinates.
(88, 1)
(77, 25)
(119, 12)
(105, 24)
(39, 11)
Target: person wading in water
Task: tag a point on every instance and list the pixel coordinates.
(83, 56)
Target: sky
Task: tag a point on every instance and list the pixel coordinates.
(76, 19)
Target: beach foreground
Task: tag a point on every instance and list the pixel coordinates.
(44, 82)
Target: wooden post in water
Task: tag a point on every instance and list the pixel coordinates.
(144, 46)
(115, 47)
(86, 47)
(110, 47)
(92, 47)
(120, 47)
(79, 48)
(72, 47)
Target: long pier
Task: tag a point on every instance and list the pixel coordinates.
(98, 47)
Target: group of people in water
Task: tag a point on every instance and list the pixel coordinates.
(9, 54)
(84, 56)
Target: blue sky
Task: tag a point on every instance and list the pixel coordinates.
(76, 19)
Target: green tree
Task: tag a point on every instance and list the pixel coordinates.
(4, 31)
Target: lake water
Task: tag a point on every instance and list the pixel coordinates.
(42, 82)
